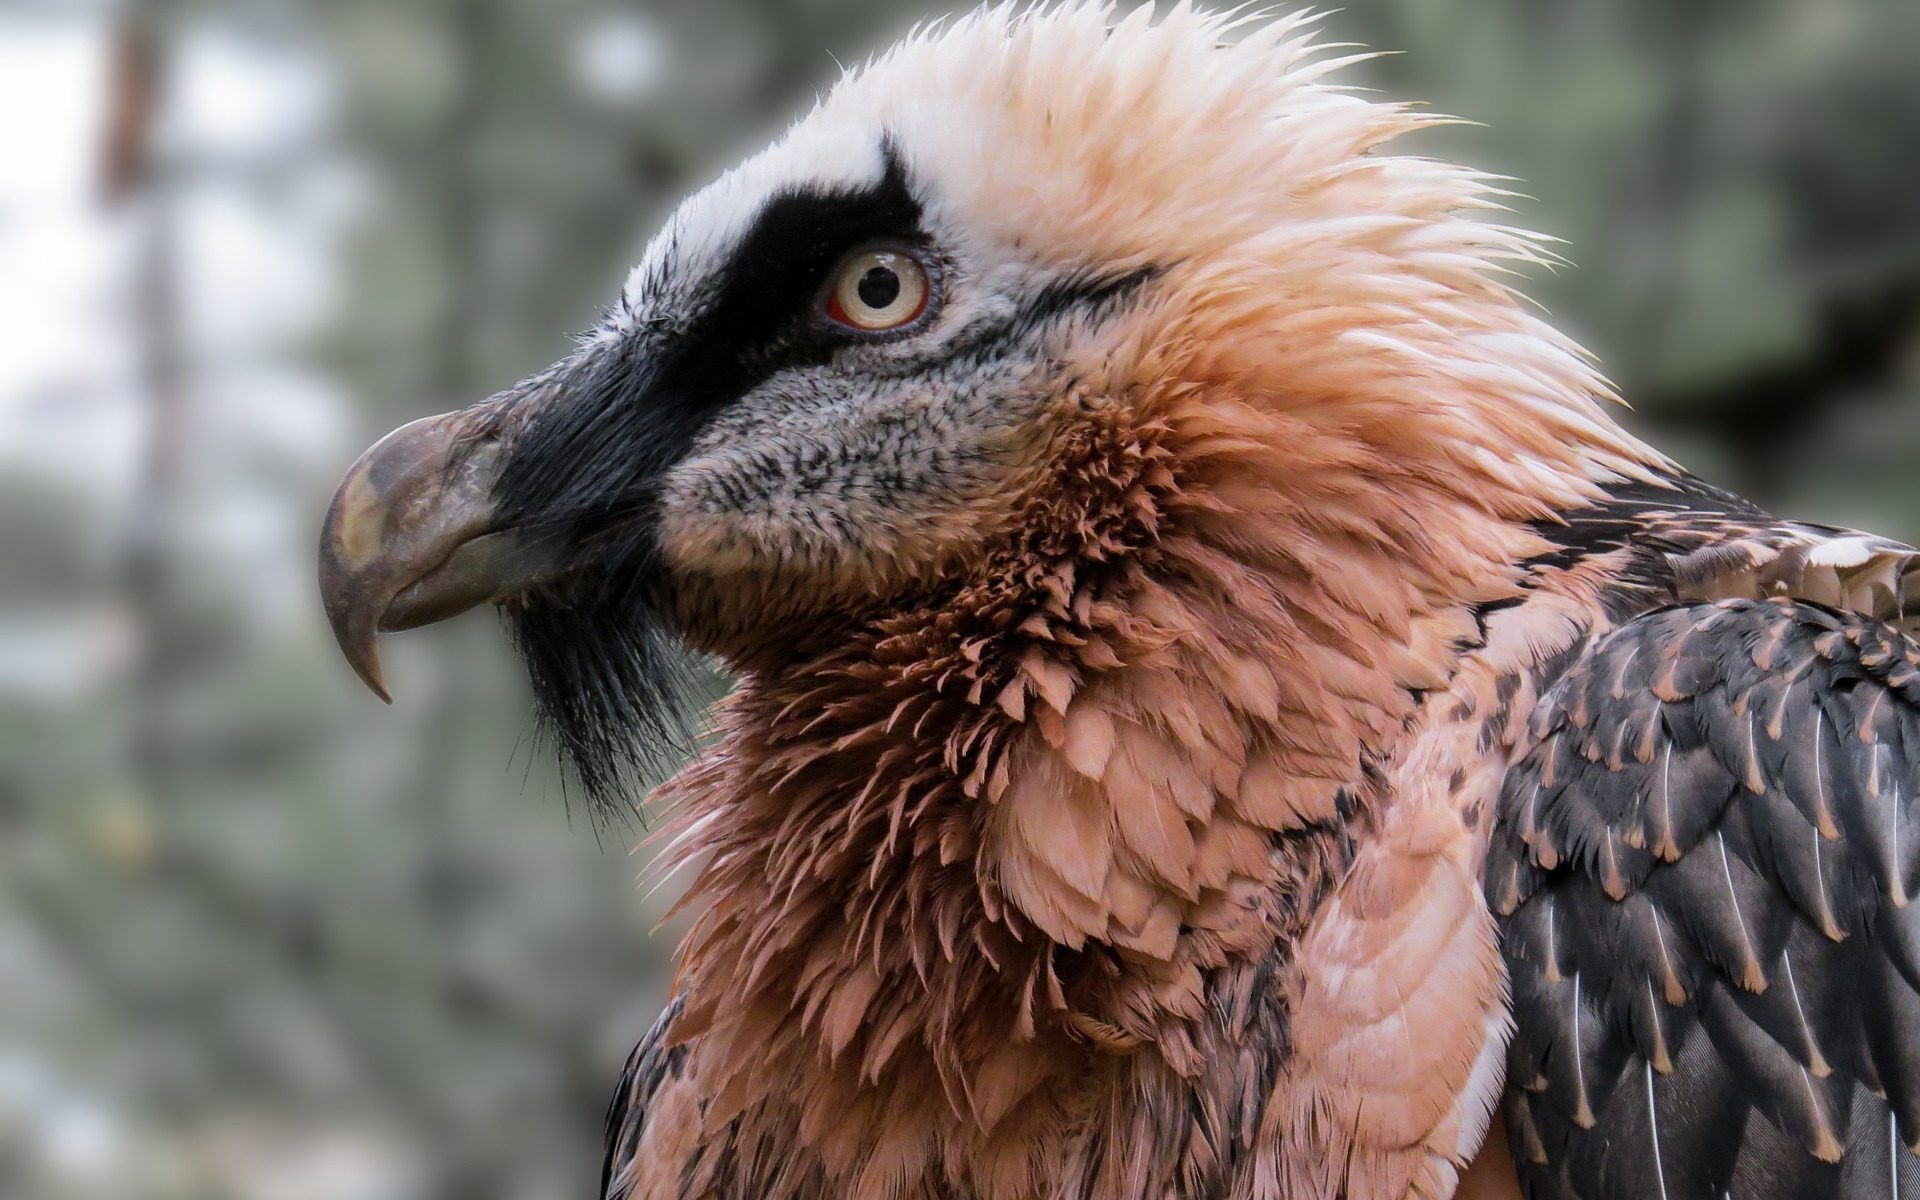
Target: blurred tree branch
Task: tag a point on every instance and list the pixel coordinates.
(131, 173)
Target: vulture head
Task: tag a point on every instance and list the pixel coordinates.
(1014, 301)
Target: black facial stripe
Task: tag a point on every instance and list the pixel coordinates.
(1089, 294)
(761, 316)
(1088, 290)
(590, 440)
(591, 429)
(613, 419)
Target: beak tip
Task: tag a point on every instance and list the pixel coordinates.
(357, 645)
(375, 683)
(409, 539)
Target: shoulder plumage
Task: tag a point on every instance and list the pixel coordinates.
(1677, 538)
(1705, 867)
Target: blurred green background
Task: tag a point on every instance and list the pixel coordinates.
(259, 936)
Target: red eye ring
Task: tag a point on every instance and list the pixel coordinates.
(877, 289)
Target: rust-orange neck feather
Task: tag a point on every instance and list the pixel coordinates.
(997, 840)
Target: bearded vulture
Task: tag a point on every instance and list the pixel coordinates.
(1223, 710)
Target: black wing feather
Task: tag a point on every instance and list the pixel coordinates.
(1704, 869)
(651, 1064)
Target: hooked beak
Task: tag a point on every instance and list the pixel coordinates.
(411, 538)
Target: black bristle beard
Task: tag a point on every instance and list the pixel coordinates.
(616, 694)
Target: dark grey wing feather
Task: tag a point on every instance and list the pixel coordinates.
(1708, 872)
(651, 1064)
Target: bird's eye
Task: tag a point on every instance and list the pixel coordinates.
(878, 289)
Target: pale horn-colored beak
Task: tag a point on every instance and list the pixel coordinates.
(411, 539)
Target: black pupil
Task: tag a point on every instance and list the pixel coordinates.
(879, 287)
